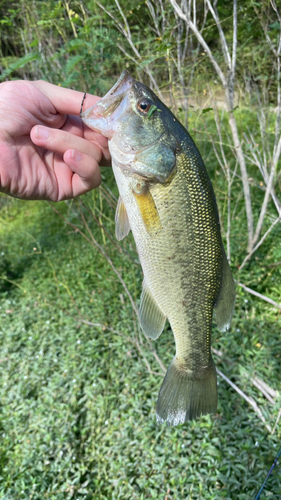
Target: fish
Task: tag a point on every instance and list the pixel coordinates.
(168, 202)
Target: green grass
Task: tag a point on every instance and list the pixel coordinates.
(77, 414)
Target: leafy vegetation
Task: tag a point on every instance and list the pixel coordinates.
(79, 382)
(77, 401)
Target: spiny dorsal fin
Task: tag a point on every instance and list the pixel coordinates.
(152, 320)
(122, 225)
(225, 303)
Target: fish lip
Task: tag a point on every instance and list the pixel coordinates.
(124, 82)
(114, 96)
(102, 115)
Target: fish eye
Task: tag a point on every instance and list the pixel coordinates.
(144, 106)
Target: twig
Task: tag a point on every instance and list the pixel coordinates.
(262, 386)
(259, 243)
(163, 368)
(132, 341)
(249, 399)
(110, 262)
(277, 421)
(113, 240)
(145, 360)
(274, 264)
(259, 295)
(217, 352)
(224, 45)
(126, 32)
(93, 242)
(266, 390)
(201, 40)
(267, 193)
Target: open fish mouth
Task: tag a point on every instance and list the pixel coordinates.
(101, 116)
(124, 83)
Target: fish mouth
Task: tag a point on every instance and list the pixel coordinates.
(124, 83)
(101, 116)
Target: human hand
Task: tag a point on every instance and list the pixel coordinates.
(58, 167)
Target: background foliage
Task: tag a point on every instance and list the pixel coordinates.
(79, 382)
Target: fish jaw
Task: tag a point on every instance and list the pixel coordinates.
(105, 113)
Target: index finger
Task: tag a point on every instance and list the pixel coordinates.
(66, 101)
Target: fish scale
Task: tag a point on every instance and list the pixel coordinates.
(167, 200)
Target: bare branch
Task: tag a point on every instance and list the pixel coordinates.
(93, 242)
(201, 40)
(276, 10)
(153, 15)
(127, 34)
(124, 19)
(276, 423)
(259, 295)
(264, 388)
(234, 42)
(263, 25)
(126, 54)
(118, 25)
(233, 62)
(132, 341)
(260, 160)
(245, 181)
(260, 242)
(224, 45)
(265, 202)
(249, 399)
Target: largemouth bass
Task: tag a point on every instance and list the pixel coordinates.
(167, 200)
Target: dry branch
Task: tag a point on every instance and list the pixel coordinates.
(135, 343)
(260, 242)
(249, 399)
(259, 295)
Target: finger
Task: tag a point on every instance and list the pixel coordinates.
(66, 101)
(86, 171)
(75, 125)
(59, 141)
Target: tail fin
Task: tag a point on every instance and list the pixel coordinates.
(185, 395)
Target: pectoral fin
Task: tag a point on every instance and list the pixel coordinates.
(122, 225)
(148, 211)
(152, 320)
(225, 303)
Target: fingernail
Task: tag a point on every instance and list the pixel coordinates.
(42, 133)
(75, 155)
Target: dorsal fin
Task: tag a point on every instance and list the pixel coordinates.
(224, 306)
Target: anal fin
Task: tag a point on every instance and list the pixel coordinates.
(122, 225)
(152, 319)
(224, 306)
